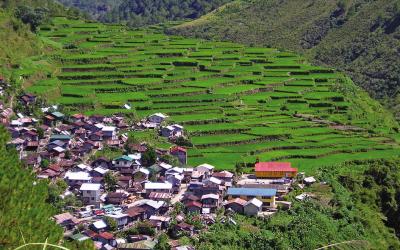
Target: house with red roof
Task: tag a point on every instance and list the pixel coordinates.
(106, 238)
(193, 207)
(275, 170)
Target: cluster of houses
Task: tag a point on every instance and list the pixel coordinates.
(141, 196)
(148, 195)
(64, 140)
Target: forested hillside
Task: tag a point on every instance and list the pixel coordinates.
(360, 37)
(137, 13)
(24, 42)
(94, 8)
(346, 209)
(17, 40)
(24, 213)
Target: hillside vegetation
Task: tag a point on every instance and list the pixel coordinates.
(17, 19)
(137, 13)
(24, 43)
(238, 103)
(94, 8)
(360, 37)
(347, 211)
(24, 213)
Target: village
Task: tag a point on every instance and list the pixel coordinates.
(125, 202)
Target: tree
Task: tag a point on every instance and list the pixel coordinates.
(145, 228)
(284, 108)
(178, 208)
(128, 145)
(110, 181)
(172, 160)
(67, 154)
(111, 223)
(182, 141)
(149, 157)
(40, 132)
(162, 243)
(33, 17)
(238, 168)
(23, 209)
(72, 201)
(44, 163)
(195, 220)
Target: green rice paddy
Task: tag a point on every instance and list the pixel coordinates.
(238, 104)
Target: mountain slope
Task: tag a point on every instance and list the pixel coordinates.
(239, 104)
(360, 37)
(95, 8)
(24, 212)
(24, 43)
(138, 13)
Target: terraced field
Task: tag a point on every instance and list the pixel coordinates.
(238, 103)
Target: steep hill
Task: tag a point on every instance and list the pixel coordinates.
(137, 13)
(242, 102)
(360, 37)
(17, 40)
(239, 104)
(94, 8)
(24, 43)
(24, 212)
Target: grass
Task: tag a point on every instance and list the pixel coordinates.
(237, 103)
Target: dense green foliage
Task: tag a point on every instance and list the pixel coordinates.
(54, 7)
(360, 37)
(94, 8)
(13, 32)
(236, 103)
(33, 17)
(51, 7)
(17, 42)
(24, 212)
(110, 182)
(377, 186)
(149, 157)
(345, 211)
(137, 13)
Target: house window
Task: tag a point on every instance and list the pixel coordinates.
(92, 198)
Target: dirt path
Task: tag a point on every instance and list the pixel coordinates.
(12, 101)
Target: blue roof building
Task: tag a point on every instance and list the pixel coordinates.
(254, 192)
(266, 195)
(58, 115)
(123, 158)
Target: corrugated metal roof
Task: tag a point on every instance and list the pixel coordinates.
(275, 166)
(252, 191)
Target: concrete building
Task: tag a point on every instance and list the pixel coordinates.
(266, 195)
(252, 207)
(90, 193)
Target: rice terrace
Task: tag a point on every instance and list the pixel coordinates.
(237, 103)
